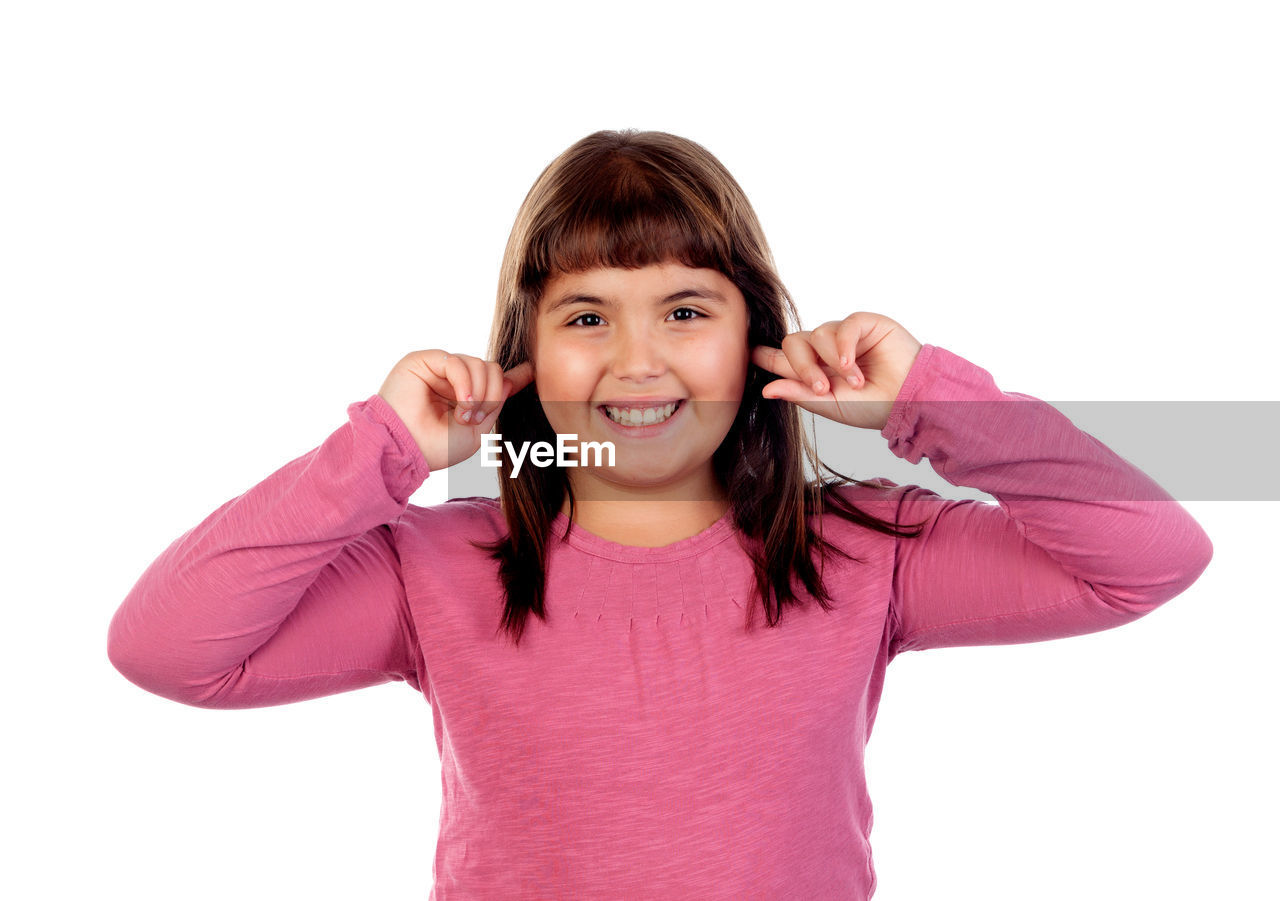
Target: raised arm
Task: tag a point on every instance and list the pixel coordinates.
(1079, 541)
(291, 590)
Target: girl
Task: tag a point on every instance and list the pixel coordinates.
(611, 718)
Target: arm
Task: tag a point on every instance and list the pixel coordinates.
(290, 591)
(1080, 540)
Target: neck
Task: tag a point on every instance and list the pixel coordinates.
(647, 517)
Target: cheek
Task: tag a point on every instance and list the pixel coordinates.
(562, 377)
(724, 369)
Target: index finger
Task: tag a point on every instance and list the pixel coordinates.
(520, 376)
(773, 359)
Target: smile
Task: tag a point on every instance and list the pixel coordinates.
(636, 417)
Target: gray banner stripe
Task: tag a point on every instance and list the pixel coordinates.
(1195, 450)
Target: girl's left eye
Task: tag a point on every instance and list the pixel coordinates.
(695, 313)
(578, 319)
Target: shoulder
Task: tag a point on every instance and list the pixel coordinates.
(459, 520)
(886, 500)
(879, 497)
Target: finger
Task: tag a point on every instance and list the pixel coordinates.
(472, 401)
(459, 377)
(520, 376)
(848, 335)
(494, 391)
(787, 389)
(804, 360)
(772, 359)
(436, 375)
(823, 339)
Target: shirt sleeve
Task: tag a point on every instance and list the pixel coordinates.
(290, 591)
(1080, 540)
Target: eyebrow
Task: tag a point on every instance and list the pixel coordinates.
(705, 293)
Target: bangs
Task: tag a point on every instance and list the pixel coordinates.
(626, 215)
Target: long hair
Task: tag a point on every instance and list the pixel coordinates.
(630, 199)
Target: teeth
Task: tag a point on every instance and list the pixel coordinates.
(635, 416)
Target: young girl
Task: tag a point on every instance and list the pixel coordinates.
(612, 718)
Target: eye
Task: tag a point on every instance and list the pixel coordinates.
(576, 319)
(695, 313)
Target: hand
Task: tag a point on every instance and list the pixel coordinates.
(815, 376)
(447, 401)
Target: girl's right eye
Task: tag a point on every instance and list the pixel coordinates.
(578, 319)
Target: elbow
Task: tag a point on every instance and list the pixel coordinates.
(126, 652)
(1202, 555)
(135, 667)
(146, 672)
(1195, 552)
(1184, 560)
(1196, 560)
(153, 667)
(162, 681)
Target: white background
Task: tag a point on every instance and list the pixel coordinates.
(223, 223)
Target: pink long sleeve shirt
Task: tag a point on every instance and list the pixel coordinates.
(643, 743)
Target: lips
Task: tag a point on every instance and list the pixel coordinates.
(636, 415)
(640, 417)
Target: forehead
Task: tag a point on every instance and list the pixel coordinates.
(648, 282)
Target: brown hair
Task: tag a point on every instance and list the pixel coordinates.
(631, 199)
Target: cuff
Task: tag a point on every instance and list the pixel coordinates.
(408, 468)
(920, 373)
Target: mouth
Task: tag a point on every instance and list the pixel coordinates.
(637, 417)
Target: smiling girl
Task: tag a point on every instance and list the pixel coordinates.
(612, 721)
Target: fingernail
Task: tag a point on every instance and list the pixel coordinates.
(819, 387)
(854, 380)
(466, 417)
(479, 417)
(844, 361)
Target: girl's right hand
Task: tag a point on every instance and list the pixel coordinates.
(447, 401)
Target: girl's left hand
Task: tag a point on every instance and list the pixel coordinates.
(849, 371)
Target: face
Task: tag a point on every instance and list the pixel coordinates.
(664, 350)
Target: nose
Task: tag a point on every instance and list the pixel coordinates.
(637, 355)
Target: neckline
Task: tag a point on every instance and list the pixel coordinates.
(593, 544)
